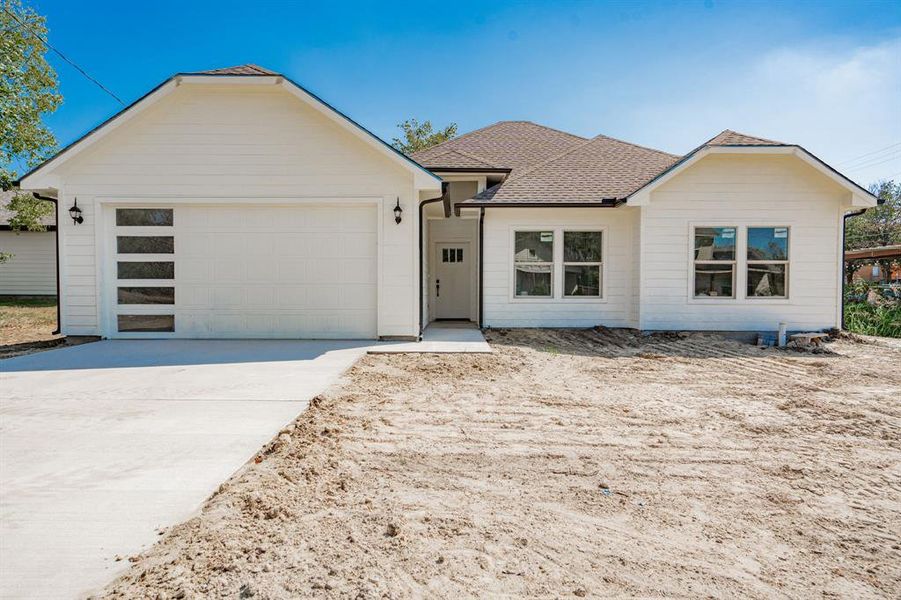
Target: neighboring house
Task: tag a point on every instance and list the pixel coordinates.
(234, 203)
(31, 271)
(871, 271)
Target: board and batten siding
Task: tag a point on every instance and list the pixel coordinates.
(742, 191)
(32, 269)
(233, 143)
(615, 309)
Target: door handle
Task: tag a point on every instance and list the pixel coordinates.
(437, 288)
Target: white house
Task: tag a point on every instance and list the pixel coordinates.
(31, 268)
(235, 203)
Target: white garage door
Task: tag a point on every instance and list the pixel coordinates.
(238, 271)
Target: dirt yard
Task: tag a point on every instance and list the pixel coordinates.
(566, 464)
(26, 325)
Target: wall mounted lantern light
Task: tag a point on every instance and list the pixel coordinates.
(75, 213)
(397, 212)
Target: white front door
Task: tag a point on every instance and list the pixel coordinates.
(452, 281)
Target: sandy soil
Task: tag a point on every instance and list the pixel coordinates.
(566, 464)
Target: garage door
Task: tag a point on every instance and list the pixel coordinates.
(237, 271)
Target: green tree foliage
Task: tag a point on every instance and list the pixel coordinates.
(879, 226)
(419, 136)
(28, 91)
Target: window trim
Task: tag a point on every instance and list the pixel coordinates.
(741, 275)
(695, 262)
(786, 263)
(557, 269)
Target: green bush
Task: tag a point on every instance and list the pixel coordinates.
(883, 320)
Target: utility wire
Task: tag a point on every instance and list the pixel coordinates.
(62, 56)
(856, 158)
(883, 160)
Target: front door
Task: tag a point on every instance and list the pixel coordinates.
(452, 280)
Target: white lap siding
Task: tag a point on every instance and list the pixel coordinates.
(32, 268)
(730, 190)
(241, 144)
(615, 309)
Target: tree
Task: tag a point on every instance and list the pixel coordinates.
(878, 226)
(28, 91)
(419, 136)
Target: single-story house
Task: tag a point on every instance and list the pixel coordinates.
(234, 203)
(31, 270)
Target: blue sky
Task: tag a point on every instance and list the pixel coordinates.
(669, 75)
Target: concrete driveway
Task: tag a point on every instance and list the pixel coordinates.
(103, 444)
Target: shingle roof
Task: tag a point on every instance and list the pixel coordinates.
(247, 69)
(5, 213)
(599, 169)
(506, 144)
(733, 138)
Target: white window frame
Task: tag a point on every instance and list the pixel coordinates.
(694, 263)
(785, 262)
(557, 270)
(514, 264)
(740, 275)
(564, 263)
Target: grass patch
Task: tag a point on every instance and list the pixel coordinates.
(24, 320)
(865, 319)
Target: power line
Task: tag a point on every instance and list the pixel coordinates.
(63, 56)
(882, 160)
(856, 158)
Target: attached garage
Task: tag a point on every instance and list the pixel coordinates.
(235, 204)
(300, 270)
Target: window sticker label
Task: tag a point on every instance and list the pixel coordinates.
(728, 232)
(780, 232)
(547, 236)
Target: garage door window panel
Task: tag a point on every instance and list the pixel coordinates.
(145, 270)
(146, 323)
(145, 217)
(131, 244)
(145, 295)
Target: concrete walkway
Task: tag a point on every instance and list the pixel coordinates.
(441, 337)
(102, 444)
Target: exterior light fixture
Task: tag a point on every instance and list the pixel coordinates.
(397, 212)
(75, 213)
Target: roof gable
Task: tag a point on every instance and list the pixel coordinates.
(42, 177)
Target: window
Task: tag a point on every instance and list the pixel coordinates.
(767, 262)
(714, 262)
(146, 295)
(146, 270)
(452, 255)
(144, 217)
(146, 323)
(533, 263)
(582, 266)
(128, 244)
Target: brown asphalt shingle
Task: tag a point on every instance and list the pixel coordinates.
(598, 169)
(247, 69)
(508, 144)
(733, 138)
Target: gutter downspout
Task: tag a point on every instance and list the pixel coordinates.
(59, 322)
(481, 264)
(421, 251)
(844, 262)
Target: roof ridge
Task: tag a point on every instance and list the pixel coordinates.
(472, 156)
(764, 141)
(549, 128)
(648, 148)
